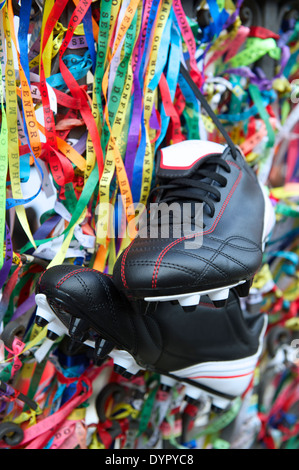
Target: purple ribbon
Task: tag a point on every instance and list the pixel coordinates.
(4, 272)
(44, 230)
(24, 307)
(80, 146)
(257, 78)
(285, 55)
(233, 17)
(136, 117)
(5, 391)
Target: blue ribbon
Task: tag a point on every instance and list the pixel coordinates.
(291, 63)
(219, 19)
(268, 97)
(87, 24)
(77, 65)
(24, 168)
(163, 53)
(4, 272)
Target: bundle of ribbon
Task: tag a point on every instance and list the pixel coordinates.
(89, 91)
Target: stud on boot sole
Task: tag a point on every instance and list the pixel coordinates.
(218, 296)
(102, 348)
(78, 329)
(243, 289)
(44, 313)
(124, 362)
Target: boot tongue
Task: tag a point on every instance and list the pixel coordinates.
(182, 159)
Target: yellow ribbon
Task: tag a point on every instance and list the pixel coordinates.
(12, 118)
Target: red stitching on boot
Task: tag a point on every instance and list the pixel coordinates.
(167, 248)
(122, 269)
(40, 278)
(76, 271)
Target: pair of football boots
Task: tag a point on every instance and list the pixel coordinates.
(172, 305)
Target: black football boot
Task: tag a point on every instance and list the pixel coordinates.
(205, 228)
(212, 351)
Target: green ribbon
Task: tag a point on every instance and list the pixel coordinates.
(146, 410)
(220, 444)
(34, 383)
(257, 99)
(295, 34)
(5, 374)
(255, 49)
(70, 201)
(191, 116)
(283, 209)
(223, 421)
